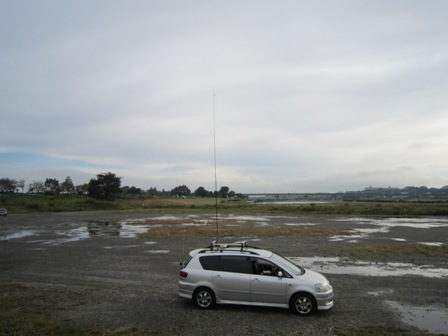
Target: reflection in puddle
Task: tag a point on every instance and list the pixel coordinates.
(104, 228)
(122, 229)
(340, 266)
(432, 319)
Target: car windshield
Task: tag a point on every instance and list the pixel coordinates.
(287, 265)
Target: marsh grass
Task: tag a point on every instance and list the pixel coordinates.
(176, 229)
(380, 250)
(26, 203)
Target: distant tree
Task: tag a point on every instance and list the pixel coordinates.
(201, 192)
(152, 191)
(105, 186)
(21, 184)
(67, 186)
(37, 187)
(82, 188)
(52, 185)
(8, 185)
(223, 192)
(134, 191)
(165, 193)
(181, 191)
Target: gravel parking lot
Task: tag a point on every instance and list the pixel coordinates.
(91, 270)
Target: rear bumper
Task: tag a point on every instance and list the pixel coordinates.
(185, 290)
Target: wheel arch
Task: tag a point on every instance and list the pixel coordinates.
(303, 293)
(197, 299)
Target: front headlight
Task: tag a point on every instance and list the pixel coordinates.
(323, 287)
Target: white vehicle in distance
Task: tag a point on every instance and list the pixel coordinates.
(241, 274)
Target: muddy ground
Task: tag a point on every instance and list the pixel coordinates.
(108, 277)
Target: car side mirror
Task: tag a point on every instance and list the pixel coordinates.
(280, 274)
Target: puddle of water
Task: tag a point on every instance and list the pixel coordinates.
(431, 244)
(194, 224)
(158, 251)
(368, 231)
(122, 229)
(248, 218)
(104, 228)
(343, 238)
(19, 234)
(336, 238)
(416, 223)
(381, 292)
(384, 226)
(364, 268)
(432, 319)
(131, 231)
(119, 247)
(299, 224)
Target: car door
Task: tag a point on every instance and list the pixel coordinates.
(266, 285)
(232, 278)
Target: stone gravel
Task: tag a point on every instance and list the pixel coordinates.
(114, 282)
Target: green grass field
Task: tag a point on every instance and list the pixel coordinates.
(29, 203)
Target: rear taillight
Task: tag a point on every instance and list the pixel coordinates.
(183, 275)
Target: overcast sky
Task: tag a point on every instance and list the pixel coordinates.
(308, 96)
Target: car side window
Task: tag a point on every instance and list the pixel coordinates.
(235, 264)
(209, 263)
(264, 267)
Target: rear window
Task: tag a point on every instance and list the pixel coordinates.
(209, 263)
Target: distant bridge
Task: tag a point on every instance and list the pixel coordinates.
(292, 196)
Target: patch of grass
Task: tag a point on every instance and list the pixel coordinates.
(174, 229)
(25, 203)
(366, 251)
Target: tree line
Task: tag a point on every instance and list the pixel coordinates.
(106, 186)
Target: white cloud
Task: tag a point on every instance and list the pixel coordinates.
(310, 96)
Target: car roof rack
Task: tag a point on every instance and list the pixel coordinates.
(241, 245)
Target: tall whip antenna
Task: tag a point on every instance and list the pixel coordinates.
(216, 179)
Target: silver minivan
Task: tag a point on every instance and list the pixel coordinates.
(241, 274)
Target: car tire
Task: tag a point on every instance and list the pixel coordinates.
(204, 298)
(303, 304)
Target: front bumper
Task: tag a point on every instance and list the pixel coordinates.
(324, 300)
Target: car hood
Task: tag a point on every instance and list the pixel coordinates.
(313, 276)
